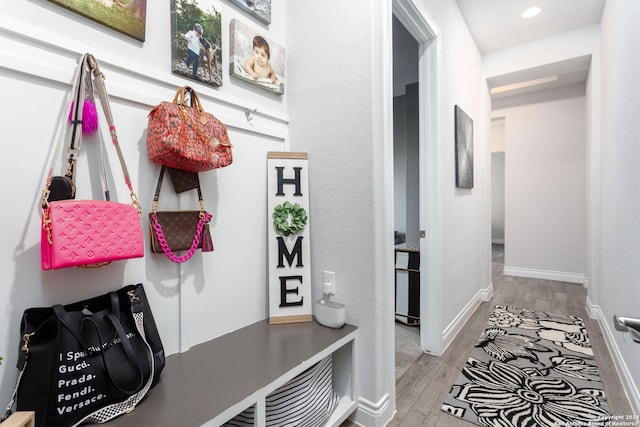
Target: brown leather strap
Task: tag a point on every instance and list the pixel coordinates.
(156, 197)
(181, 95)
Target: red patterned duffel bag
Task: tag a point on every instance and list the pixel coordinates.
(187, 137)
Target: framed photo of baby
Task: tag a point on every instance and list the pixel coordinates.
(256, 59)
(196, 41)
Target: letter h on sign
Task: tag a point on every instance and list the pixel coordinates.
(281, 180)
(288, 234)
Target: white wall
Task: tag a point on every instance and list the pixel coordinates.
(400, 163)
(405, 163)
(620, 187)
(354, 239)
(211, 294)
(498, 146)
(572, 44)
(545, 188)
(342, 128)
(413, 165)
(497, 197)
(406, 139)
(465, 215)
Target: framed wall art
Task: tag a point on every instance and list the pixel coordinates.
(256, 59)
(464, 149)
(196, 41)
(260, 9)
(126, 16)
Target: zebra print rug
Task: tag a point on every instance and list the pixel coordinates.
(530, 369)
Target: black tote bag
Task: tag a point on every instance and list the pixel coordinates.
(89, 361)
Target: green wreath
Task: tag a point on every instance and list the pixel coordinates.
(289, 218)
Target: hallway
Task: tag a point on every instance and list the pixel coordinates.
(420, 391)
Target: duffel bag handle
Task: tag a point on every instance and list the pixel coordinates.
(181, 95)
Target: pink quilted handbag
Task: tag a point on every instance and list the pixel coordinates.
(90, 232)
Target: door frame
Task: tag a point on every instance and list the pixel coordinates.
(425, 31)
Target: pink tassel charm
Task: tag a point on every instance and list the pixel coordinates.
(89, 116)
(205, 236)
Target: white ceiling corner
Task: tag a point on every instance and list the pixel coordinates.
(497, 24)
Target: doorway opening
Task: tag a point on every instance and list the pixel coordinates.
(406, 191)
(422, 36)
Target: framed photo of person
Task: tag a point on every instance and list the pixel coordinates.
(125, 16)
(196, 41)
(256, 59)
(260, 9)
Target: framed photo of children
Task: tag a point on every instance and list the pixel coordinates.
(260, 9)
(256, 59)
(126, 16)
(196, 41)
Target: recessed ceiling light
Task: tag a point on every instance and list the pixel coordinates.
(531, 12)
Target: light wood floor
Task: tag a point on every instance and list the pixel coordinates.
(423, 387)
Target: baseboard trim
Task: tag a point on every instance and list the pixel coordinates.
(628, 384)
(592, 310)
(487, 293)
(461, 319)
(376, 414)
(559, 276)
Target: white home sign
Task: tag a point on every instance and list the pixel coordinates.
(288, 224)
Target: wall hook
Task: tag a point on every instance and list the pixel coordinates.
(249, 114)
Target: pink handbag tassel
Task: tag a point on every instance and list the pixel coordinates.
(89, 117)
(207, 242)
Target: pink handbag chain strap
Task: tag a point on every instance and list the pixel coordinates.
(157, 228)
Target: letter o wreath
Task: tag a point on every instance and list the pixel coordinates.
(289, 218)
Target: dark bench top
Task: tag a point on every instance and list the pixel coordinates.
(216, 376)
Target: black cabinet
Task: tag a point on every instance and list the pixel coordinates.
(407, 283)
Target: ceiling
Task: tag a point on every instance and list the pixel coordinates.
(497, 24)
